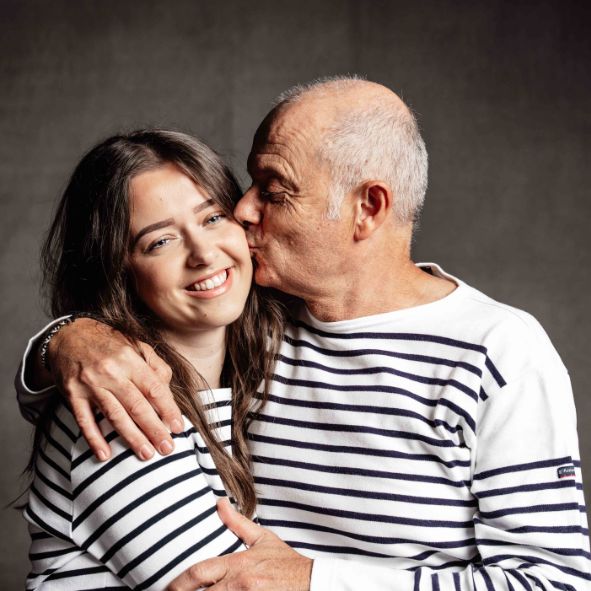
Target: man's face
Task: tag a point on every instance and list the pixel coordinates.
(295, 246)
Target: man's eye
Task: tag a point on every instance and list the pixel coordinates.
(273, 196)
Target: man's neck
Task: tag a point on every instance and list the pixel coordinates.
(403, 285)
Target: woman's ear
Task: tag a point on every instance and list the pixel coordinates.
(374, 207)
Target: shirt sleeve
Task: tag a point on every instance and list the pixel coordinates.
(32, 402)
(148, 521)
(530, 525)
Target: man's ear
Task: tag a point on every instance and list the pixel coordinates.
(374, 207)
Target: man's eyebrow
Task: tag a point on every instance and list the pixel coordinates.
(167, 222)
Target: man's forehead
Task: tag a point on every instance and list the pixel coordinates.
(286, 135)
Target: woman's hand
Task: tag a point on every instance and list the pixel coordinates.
(95, 366)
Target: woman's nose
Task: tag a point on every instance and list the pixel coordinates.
(201, 252)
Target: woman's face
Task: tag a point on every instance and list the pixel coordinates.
(191, 263)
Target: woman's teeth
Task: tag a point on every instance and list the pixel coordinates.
(212, 282)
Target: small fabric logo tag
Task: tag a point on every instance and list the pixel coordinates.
(566, 471)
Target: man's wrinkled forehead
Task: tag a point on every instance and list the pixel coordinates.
(291, 132)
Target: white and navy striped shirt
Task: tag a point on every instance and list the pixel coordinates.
(124, 523)
(431, 448)
(427, 449)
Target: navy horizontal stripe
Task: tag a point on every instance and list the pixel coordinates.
(463, 543)
(495, 373)
(358, 471)
(148, 522)
(459, 411)
(374, 388)
(364, 494)
(391, 433)
(79, 572)
(218, 404)
(49, 439)
(66, 494)
(51, 506)
(42, 524)
(165, 540)
(350, 449)
(392, 336)
(64, 428)
(123, 483)
(559, 551)
(386, 353)
(381, 370)
(537, 560)
(372, 517)
(361, 408)
(33, 575)
(408, 336)
(159, 574)
(53, 553)
(550, 507)
(53, 465)
(496, 492)
(522, 467)
(40, 535)
(107, 467)
(332, 549)
(549, 529)
(89, 453)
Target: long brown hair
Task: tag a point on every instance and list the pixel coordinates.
(86, 269)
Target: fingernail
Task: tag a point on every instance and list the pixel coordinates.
(176, 426)
(165, 447)
(146, 452)
(101, 455)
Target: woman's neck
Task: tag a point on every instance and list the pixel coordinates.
(205, 351)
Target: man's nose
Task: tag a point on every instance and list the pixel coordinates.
(249, 209)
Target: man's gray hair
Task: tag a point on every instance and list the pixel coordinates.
(373, 142)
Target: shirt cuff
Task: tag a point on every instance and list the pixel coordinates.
(21, 385)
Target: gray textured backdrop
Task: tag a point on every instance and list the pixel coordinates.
(502, 91)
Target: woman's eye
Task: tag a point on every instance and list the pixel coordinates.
(215, 218)
(158, 244)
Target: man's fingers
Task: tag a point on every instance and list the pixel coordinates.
(123, 423)
(202, 574)
(155, 386)
(248, 531)
(84, 416)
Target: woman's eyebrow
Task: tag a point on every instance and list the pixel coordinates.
(167, 222)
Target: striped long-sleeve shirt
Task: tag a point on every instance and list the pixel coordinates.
(431, 448)
(428, 449)
(124, 523)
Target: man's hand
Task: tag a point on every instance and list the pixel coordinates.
(94, 365)
(268, 565)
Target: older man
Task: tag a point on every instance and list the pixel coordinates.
(418, 434)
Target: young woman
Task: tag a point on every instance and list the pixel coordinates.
(144, 239)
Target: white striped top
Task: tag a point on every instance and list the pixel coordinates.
(124, 523)
(427, 449)
(431, 448)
